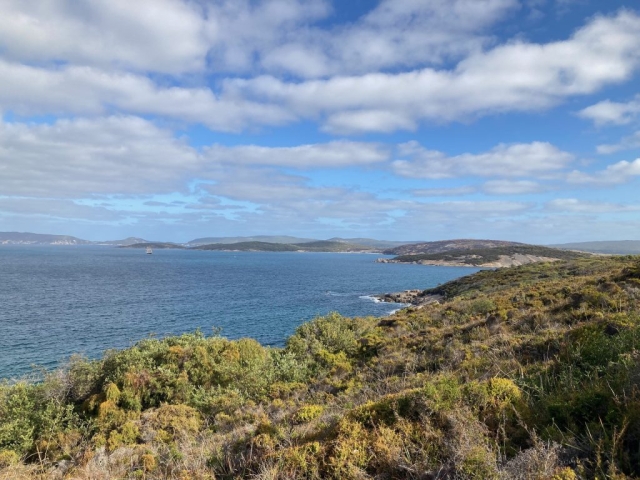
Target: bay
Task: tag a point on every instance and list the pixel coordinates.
(56, 301)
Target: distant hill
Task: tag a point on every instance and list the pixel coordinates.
(622, 247)
(156, 245)
(124, 242)
(248, 247)
(258, 238)
(334, 246)
(446, 246)
(371, 242)
(494, 257)
(288, 240)
(23, 238)
(315, 246)
(256, 242)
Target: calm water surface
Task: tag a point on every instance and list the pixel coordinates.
(57, 301)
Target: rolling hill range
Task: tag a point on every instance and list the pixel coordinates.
(25, 238)
(446, 246)
(22, 238)
(489, 257)
(316, 246)
(154, 245)
(285, 239)
(123, 242)
(336, 244)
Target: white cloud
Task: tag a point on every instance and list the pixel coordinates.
(334, 154)
(627, 143)
(124, 155)
(395, 34)
(178, 36)
(460, 207)
(369, 120)
(515, 160)
(116, 155)
(462, 219)
(444, 192)
(517, 76)
(31, 90)
(244, 31)
(514, 77)
(608, 112)
(574, 205)
(157, 35)
(287, 200)
(509, 187)
(617, 173)
(57, 209)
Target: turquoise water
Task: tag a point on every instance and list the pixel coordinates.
(57, 301)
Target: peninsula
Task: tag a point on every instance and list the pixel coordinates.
(473, 254)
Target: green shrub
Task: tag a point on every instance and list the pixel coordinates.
(327, 342)
(307, 413)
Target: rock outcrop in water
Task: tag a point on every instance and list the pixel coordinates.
(410, 297)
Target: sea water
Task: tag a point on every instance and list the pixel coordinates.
(56, 301)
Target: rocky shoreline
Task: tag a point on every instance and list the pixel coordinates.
(416, 298)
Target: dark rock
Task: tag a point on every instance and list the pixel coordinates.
(611, 330)
(493, 323)
(388, 322)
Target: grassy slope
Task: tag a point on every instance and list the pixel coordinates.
(481, 256)
(529, 372)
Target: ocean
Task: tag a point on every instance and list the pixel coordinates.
(56, 301)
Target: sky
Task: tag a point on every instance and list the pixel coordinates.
(392, 119)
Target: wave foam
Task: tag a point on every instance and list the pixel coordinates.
(371, 298)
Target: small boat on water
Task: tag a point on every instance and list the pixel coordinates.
(149, 251)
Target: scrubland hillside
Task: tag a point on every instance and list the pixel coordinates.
(523, 373)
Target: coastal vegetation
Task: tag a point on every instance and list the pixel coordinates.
(522, 373)
(491, 256)
(447, 246)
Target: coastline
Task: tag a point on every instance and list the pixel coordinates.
(503, 261)
(415, 298)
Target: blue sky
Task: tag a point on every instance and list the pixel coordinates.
(394, 119)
